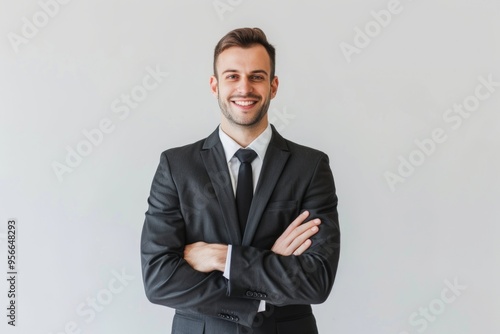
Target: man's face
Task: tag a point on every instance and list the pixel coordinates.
(244, 88)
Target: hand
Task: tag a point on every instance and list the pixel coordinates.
(206, 257)
(295, 240)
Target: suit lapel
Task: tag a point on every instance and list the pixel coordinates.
(215, 163)
(276, 157)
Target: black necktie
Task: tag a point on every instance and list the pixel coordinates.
(244, 188)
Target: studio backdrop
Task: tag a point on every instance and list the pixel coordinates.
(403, 96)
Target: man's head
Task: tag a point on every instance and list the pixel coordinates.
(244, 81)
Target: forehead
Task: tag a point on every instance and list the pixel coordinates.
(244, 59)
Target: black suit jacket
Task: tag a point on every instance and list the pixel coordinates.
(192, 200)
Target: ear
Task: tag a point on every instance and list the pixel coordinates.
(213, 86)
(274, 86)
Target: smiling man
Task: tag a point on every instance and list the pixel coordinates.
(241, 234)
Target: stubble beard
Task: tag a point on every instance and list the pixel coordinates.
(225, 106)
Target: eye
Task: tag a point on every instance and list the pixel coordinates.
(257, 77)
(232, 77)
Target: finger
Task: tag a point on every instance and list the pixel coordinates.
(301, 229)
(291, 242)
(297, 222)
(300, 239)
(302, 248)
(282, 244)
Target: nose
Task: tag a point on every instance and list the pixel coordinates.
(244, 85)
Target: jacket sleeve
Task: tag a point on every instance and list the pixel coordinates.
(168, 279)
(304, 279)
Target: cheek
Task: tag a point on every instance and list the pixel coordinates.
(224, 91)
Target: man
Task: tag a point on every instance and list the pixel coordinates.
(232, 238)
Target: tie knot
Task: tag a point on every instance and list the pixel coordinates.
(245, 155)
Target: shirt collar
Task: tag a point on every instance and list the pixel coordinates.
(259, 144)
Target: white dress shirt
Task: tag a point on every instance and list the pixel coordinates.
(259, 145)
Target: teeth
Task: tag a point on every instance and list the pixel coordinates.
(244, 103)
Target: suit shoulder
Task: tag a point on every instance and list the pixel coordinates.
(305, 151)
(185, 150)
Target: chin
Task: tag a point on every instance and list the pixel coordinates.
(251, 122)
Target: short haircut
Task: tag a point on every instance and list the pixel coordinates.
(245, 38)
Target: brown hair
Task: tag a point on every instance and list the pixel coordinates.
(245, 38)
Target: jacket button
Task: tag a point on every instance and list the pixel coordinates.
(249, 294)
(223, 315)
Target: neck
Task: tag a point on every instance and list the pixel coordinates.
(243, 135)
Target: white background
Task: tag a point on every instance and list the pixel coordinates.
(399, 246)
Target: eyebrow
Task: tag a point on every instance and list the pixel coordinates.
(252, 72)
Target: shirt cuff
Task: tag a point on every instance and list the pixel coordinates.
(262, 306)
(227, 268)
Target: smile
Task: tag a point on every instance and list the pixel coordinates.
(244, 103)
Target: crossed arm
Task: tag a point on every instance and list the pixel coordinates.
(205, 257)
(190, 276)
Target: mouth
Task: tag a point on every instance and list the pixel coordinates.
(244, 103)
